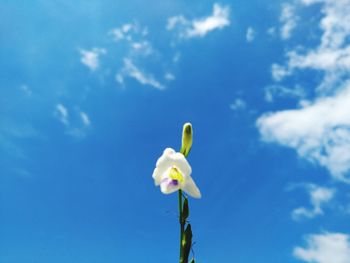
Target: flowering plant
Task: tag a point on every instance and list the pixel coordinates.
(173, 173)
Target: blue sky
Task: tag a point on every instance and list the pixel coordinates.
(93, 92)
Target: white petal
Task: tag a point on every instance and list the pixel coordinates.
(167, 187)
(163, 163)
(180, 162)
(190, 187)
(157, 176)
(166, 157)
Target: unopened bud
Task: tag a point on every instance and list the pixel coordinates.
(186, 139)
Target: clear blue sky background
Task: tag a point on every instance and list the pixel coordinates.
(88, 104)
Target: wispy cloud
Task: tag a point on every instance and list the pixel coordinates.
(277, 91)
(12, 133)
(135, 37)
(250, 35)
(140, 51)
(141, 60)
(332, 56)
(271, 31)
(201, 26)
(122, 32)
(128, 31)
(319, 196)
(169, 76)
(288, 20)
(72, 126)
(319, 130)
(62, 113)
(142, 47)
(120, 79)
(325, 248)
(85, 118)
(238, 104)
(278, 72)
(90, 58)
(219, 19)
(130, 70)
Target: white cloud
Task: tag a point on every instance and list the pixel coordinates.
(238, 104)
(85, 118)
(134, 36)
(124, 32)
(288, 20)
(320, 132)
(62, 113)
(274, 91)
(12, 132)
(332, 56)
(143, 48)
(202, 26)
(128, 32)
(72, 128)
(271, 31)
(218, 20)
(175, 21)
(334, 62)
(169, 76)
(319, 196)
(90, 58)
(139, 51)
(325, 248)
(279, 72)
(132, 71)
(309, 2)
(250, 35)
(117, 34)
(119, 78)
(127, 27)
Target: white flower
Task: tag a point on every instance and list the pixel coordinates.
(173, 172)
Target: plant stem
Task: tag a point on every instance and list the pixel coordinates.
(182, 226)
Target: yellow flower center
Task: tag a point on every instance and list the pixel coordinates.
(175, 174)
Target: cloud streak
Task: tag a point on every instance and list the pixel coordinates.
(319, 130)
(288, 20)
(332, 56)
(91, 58)
(250, 34)
(325, 248)
(62, 113)
(238, 104)
(132, 71)
(200, 27)
(319, 196)
(277, 91)
(85, 118)
(75, 124)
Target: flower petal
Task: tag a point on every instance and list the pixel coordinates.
(168, 186)
(180, 162)
(163, 163)
(166, 157)
(157, 176)
(190, 187)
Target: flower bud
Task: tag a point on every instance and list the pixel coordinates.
(186, 139)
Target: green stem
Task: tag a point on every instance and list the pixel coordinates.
(182, 226)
